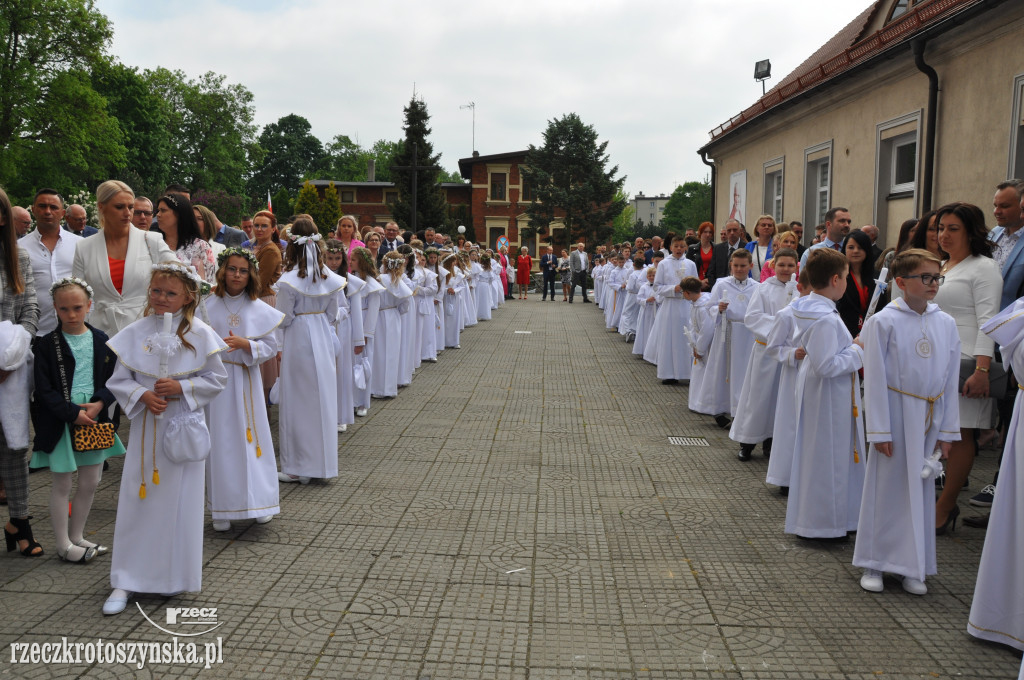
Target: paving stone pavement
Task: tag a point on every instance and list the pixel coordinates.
(518, 512)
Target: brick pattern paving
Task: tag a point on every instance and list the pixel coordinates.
(497, 522)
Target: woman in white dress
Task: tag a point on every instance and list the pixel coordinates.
(970, 294)
(118, 265)
(307, 293)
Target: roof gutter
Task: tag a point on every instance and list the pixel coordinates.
(714, 175)
(929, 140)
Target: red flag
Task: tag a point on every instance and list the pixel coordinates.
(270, 206)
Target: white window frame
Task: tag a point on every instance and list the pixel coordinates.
(887, 138)
(1015, 164)
(817, 192)
(908, 140)
(774, 187)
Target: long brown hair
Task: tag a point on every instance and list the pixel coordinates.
(295, 255)
(9, 246)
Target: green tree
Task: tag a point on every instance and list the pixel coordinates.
(308, 201)
(687, 207)
(142, 117)
(431, 208)
(329, 210)
(291, 153)
(54, 127)
(571, 184)
(214, 141)
(282, 203)
(622, 225)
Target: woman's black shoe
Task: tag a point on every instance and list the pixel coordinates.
(950, 524)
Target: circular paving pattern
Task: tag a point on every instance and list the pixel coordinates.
(554, 560)
(363, 616)
(655, 513)
(747, 631)
(426, 509)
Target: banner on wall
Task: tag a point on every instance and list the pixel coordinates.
(738, 196)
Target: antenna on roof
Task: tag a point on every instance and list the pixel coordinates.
(762, 72)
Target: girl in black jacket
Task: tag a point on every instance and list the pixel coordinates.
(72, 365)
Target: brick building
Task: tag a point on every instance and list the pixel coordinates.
(371, 202)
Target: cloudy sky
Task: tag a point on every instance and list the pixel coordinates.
(652, 77)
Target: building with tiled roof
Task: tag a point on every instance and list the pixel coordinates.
(914, 104)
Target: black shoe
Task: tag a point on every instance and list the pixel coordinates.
(745, 451)
(631, 337)
(722, 420)
(783, 491)
(950, 525)
(570, 302)
(669, 381)
(766, 447)
(586, 300)
(979, 522)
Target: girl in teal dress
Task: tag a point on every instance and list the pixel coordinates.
(72, 365)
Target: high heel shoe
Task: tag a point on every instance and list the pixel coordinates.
(23, 533)
(950, 524)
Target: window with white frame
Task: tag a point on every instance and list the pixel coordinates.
(1016, 167)
(773, 191)
(903, 165)
(817, 183)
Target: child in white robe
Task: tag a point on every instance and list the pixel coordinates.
(158, 533)
(999, 591)
(485, 289)
(394, 301)
(755, 414)
(700, 334)
(440, 291)
(241, 473)
(781, 347)
(363, 267)
(465, 294)
(425, 318)
(616, 286)
(646, 309)
(348, 328)
(911, 369)
(307, 294)
(630, 305)
(732, 343)
(408, 359)
(454, 284)
(828, 456)
(674, 355)
(598, 273)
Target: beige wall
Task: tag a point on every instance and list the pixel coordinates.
(976, 64)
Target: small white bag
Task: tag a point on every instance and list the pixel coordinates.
(187, 439)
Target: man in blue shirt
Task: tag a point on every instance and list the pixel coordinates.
(837, 226)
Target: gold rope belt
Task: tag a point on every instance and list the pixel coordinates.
(250, 410)
(308, 313)
(931, 404)
(760, 342)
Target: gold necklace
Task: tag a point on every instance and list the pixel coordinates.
(234, 320)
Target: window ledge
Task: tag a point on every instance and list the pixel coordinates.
(491, 202)
(895, 195)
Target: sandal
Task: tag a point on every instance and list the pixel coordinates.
(86, 555)
(23, 532)
(100, 549)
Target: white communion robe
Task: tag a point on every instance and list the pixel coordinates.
(241, 472)
(755, 411)
(650, 348)
(909, 359)
(615, 285)
(781, 348)
(308, 422)
(408, 355)
(674, 356)
(700, 334)
(497, 289)
(369, 302)
(158, 540)
(453, 308)
(828, 456)
(426, 318)
(644, 317)
(730, 349)
(440, 295)
(484, 294)
(387, 341)
(465, 296)
(598, 275)
(997, 612)
(630, 305)
(349, 329)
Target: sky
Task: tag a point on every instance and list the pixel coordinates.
(652, 77)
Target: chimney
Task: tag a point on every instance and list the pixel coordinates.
(371, 170)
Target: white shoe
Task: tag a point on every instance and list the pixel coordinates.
(871, 581)
(222, 525)
(360, 412)
(342, 427)
(288, 479)
(914, 587)
(264, 519)
(116, 603)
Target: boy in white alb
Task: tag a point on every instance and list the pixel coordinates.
(911, 368)
(630, 306)
(647, 304)
(615, 283)
(755, 414)
(828, 455)
(732, 343)
(675, 361)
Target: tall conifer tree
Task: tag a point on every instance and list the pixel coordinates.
(431, 207)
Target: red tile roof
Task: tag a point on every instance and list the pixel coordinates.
(846, 50)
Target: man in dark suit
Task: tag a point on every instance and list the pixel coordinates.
(229, 236)
(797, 228)
(548, 262)
(723, 251)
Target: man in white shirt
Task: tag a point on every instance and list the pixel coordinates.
(578, 263)
(51, 251)
(837, 226)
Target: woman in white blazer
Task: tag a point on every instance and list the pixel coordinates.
(117, 262)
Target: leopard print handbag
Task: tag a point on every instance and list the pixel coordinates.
(95, 437)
